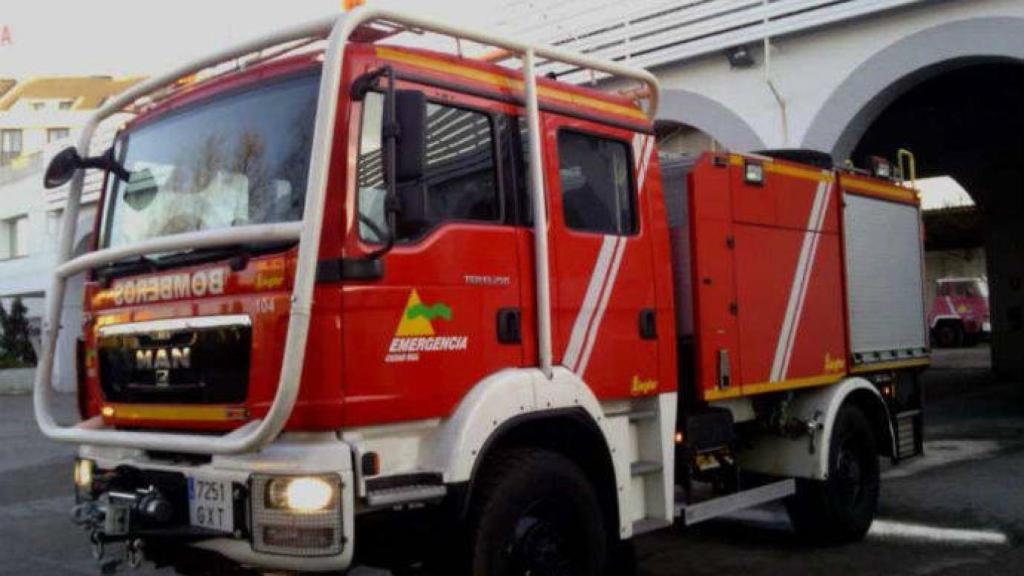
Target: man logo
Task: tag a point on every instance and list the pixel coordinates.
(163, 359)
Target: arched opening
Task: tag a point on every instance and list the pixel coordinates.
(704, 115)
(679, 138)
(966, 122)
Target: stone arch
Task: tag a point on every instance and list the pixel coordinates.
(710, 117)
(882, 78)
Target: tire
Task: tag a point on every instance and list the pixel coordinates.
(840, 509)
(949, 335)
(537, 515)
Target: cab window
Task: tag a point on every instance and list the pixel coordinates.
(460, 177)
(597, 184)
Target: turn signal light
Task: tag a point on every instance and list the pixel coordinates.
(83, 473)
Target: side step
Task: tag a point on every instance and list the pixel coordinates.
(693, 513)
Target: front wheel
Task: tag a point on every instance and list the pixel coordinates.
(949, 335)
(841, 508)
(537, 515)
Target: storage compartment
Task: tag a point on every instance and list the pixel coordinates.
(885, 290)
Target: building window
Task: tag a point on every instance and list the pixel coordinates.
(15, 235)
(66, 104)
(10, 146)
(596, 178)
(37, 106)
(53, 134)
(53, 222)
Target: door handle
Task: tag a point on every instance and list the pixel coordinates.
(648, 324)
(509, 331)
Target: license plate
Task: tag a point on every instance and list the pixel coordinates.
(211, 504)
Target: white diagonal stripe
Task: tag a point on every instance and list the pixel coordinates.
(645, 154)
(602, 280)
(597, 277)
(620, 248)
(799, 277)
(805, 284)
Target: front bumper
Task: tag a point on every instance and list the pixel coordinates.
(291, 454)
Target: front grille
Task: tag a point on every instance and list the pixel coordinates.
(183, 361)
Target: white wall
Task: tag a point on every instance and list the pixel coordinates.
(29, 277)
(809, 69)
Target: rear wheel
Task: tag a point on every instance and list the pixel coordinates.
(841, 508)
(537, 515)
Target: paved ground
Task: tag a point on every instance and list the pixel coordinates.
(958, 511)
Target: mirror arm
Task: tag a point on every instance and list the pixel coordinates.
(107, 162)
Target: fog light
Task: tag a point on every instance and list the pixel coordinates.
(304, 494)
(297, 537)
(83, 473)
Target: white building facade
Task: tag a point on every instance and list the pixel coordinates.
(39, 117)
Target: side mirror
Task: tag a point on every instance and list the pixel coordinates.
(411, 117)
(64, 165)
(62, 168)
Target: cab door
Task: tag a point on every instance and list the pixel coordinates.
(444, 314)
(603, 288)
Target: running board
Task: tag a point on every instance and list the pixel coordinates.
(701, 511)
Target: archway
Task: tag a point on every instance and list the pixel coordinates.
(953, 94)
(968, 123)
(707, 116)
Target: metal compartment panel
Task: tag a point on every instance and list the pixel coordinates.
(884, 279)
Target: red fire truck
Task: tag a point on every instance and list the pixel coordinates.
(352, 301)
(959, 315)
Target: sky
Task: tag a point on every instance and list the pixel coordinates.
(145, 37)
(942, 192)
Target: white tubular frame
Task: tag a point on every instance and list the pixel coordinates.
(337, 31)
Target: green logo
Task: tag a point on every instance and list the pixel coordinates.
(420, 310)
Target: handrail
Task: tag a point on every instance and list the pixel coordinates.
(261, 432)
(337, 30)
(908, 169)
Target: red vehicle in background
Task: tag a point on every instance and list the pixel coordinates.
(960, 312)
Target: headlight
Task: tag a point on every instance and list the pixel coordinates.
(303, 494)
(83, 473)
(297, 515)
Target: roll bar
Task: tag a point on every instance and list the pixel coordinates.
(336, 30)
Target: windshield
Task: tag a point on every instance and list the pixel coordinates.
(239, 159)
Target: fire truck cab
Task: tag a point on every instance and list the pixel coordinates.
(960, 314)
(357, 302)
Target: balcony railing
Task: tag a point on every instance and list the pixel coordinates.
(655, 32)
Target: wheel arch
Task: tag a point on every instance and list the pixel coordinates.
(946, 319)
(783, 456)
(569, 432)
(874, 408)
(523, 407)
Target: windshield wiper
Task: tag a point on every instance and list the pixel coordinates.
(131, 265)
(239, 258)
